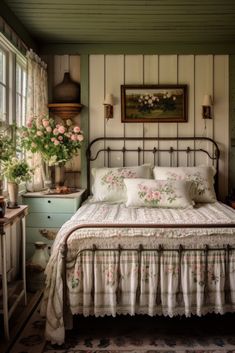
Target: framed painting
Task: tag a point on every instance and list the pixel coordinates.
(154, 103)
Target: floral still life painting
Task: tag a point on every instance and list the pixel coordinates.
(154, 103)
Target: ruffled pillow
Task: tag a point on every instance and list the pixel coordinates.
(158, 193)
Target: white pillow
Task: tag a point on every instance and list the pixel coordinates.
(202, 178)
(108, 183)
(158, 193)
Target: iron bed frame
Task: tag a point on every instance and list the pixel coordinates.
(214, 156)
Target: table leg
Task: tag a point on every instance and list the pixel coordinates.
(4, 286)
(23, 231)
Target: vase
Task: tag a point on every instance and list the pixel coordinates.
(68, 91)
(13, 189)
(48, 177)
(36, 267)
(40, 257)
(59, 175)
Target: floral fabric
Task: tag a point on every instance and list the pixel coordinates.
(158, 193)
(36, 104)
(108, 183)
(202, 179)
(149, 284)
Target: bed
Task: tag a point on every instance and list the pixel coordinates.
(112, 259)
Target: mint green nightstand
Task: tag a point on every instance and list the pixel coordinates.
(47, 213)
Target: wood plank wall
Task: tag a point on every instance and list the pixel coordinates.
(204, 74)
(57, 66)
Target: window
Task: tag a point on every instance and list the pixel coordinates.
(12, 88)
(3, 86)
(12, 84)
(20, 94)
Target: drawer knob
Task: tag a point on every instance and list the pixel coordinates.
(48, 217)
(49, 201)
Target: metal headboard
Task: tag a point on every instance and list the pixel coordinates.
(94, 150)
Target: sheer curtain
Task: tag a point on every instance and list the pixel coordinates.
(36, 104)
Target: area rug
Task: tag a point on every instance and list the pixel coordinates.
(140, 334)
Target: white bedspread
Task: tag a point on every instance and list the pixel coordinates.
(105, 301)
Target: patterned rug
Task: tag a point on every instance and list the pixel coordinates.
(140, 334)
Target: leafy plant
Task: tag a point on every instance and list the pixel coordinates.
(57, 143)
(16, 170)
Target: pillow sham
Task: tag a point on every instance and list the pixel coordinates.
(202, 178)
(108, 184)
(158, 193)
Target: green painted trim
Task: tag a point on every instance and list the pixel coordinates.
(231, 116)
(139, 48)
(84, 82)
(17, 26)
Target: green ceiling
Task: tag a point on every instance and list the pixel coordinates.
(127, 21)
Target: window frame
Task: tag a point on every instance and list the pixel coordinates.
(13, 57)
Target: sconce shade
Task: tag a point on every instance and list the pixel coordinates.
(108, 99)
(207, 100)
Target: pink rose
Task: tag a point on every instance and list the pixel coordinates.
(29, 123)
(60, 138)
(76, 129)
(80, 138)
(33, 145)
(73, 137)
(56, 142)
(61, 129)
(52, 139)
(39, 133)
(48, 129)
(45, 122)
(55, 131)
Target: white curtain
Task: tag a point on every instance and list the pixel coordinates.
(37, 99)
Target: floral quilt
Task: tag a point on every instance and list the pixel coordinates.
(163, 284)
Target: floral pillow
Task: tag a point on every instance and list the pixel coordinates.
(108, 184)
(158, 193)
(202, 179)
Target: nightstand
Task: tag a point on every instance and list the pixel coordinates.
(12, 293)
(47, 213)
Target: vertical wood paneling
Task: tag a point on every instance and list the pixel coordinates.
(133, 75)
(114, 77)
(96, 98)
(221, 118)
(150, 129)
(203, 85)
(186, 76)
(203, 74)
(168, 74)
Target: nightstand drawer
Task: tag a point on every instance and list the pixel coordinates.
(47, 220)
(51, 204)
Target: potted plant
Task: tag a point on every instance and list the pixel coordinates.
(16, 171)
(56, 142)
(7, 151)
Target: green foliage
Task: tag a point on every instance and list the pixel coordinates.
(57, 143)
(16, 170)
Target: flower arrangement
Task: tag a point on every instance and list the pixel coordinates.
(148, 102)
(16, 170)
(56, 142)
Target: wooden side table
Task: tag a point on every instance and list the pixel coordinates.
(12, 216)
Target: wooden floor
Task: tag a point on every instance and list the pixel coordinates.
(18, 321)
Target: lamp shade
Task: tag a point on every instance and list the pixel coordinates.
(108, 99)
(207, 100)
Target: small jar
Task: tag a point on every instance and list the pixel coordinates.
(2, 207)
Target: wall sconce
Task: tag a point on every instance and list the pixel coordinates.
(206, 107)
(108, 106)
